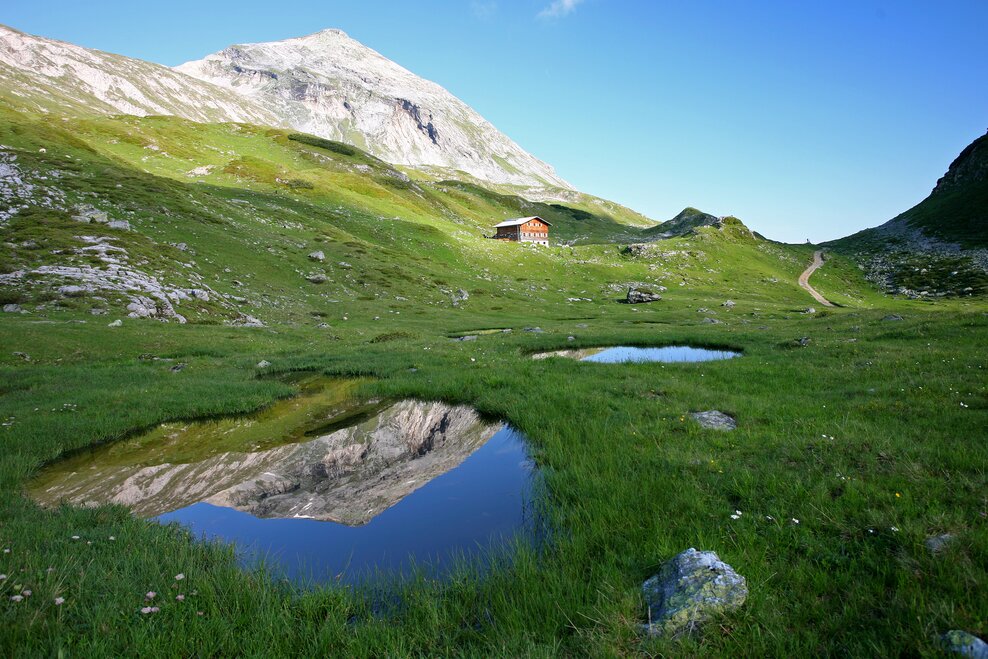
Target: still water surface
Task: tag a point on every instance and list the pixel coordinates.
(632, 354)
(323, 486)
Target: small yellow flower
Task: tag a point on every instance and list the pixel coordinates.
(897, 495)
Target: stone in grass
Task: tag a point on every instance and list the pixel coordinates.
(317, 278)
(715, 420)
(641, 296)
(11, 308)
(689, 590)
(964, 643)
(317, 256)
(892, 316)
(263, 363)
(116, 323)
(938, 543)
(468, 337)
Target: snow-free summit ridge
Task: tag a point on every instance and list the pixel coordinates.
(330, 85)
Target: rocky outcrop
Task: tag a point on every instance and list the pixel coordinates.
(687, 221)
(689, 590)
(641, 296)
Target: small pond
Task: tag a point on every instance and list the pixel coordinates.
(322, 486)
(632, 354)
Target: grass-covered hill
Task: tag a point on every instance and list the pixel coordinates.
(230, 223)
(938, 247)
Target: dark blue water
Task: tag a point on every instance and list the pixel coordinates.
(470, 510)
(667, 354)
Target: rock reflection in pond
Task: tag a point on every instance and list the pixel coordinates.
(633, 354)
(410, 480)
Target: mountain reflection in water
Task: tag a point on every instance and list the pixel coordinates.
(333, 461)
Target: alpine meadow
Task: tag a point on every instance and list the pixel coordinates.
(302, 356)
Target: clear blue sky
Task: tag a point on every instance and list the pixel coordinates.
(805, 119)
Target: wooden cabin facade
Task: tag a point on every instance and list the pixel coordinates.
(524, 230)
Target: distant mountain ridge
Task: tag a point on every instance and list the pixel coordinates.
(43, 75)
(326, 84)
(330, 85)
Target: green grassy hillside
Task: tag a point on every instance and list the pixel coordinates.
(938, 247)
(858, 434)
(236, 211)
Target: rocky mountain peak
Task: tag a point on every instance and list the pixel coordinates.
(332, 86)
(970, 167)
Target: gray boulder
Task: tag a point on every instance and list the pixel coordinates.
(892, 316)
(460, 296)
(116, 323)
(641, 296)
(712, 321)
(11, 308)
(729, 304)
(714, 420)
(964, 643)
(88, 214)
(263, 363)
(689, 590)
(119, 224)
(317, 256)
(317, 278)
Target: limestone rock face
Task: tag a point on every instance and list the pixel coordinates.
(330, 85)
(692, 588)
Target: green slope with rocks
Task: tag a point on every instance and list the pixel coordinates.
(230, 223)
(939, 247)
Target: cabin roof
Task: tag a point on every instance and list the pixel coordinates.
(521, 220)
